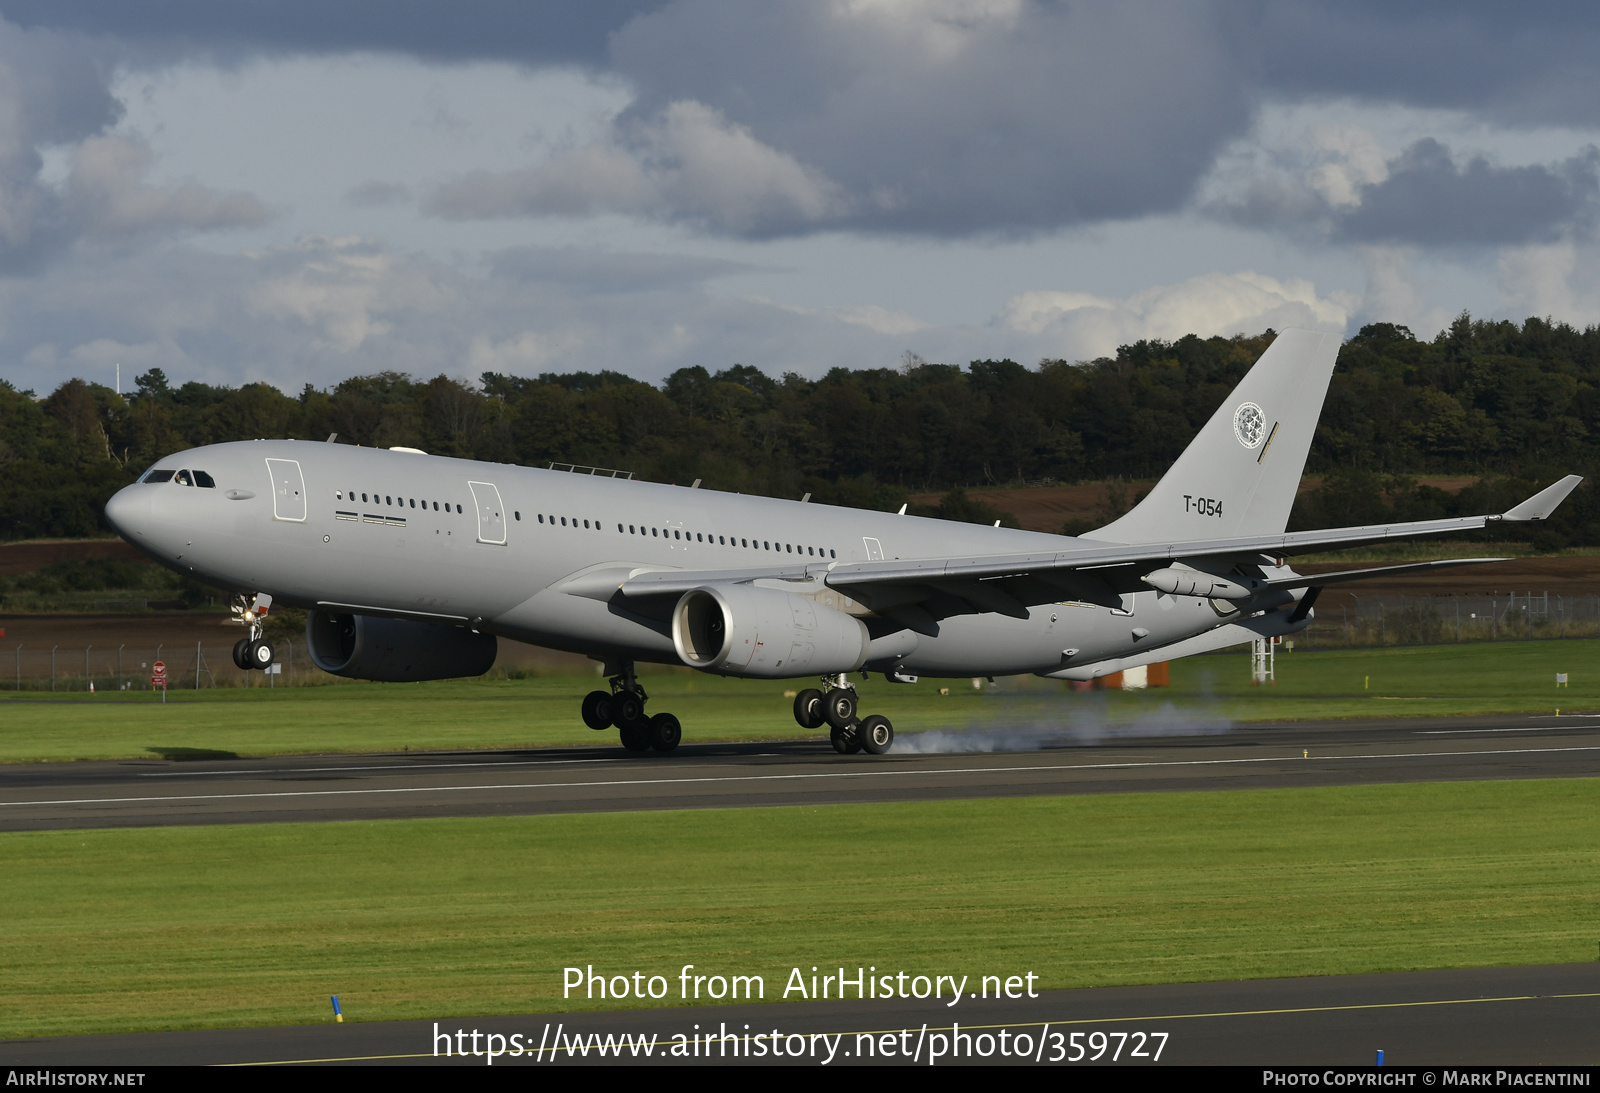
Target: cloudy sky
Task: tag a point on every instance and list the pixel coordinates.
(299, 192)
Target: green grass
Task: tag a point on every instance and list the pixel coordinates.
(189, 927)
(1474, 677)
(1397, 680)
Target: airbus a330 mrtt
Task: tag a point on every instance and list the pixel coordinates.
(410, 565)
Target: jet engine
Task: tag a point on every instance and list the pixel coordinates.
(395, 650)
(741, 630)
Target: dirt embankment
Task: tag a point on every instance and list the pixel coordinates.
(35, 554)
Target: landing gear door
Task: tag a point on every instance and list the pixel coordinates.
(491, 513)
(288, 490)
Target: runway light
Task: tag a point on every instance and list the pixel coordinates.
(1380, 1056)
(337, 1016)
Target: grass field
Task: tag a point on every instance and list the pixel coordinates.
(212, 926)
(1398, 680)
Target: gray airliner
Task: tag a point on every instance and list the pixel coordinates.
(410, 565)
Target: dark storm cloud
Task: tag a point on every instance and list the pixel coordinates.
(532, 31)
(1427, 199)
(775, 119)
(1525, 63)
(53, 91)
(948, 121)
(953, 118)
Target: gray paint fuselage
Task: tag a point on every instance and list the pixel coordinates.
(434, 566)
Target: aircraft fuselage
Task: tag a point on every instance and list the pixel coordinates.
(492, 546)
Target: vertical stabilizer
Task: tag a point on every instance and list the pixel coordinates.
(1240, 473)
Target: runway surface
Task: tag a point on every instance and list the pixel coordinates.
(155, 792)
(1544, 1015)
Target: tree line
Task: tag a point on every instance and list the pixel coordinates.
(1507, 404)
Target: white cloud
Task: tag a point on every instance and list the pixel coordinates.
(1079, 325)
(880, 320)
(106, 194)
(343, 288)
(524, 354)
(1392, 294)
(690, 164)
(1555, 280)
(1344, 159)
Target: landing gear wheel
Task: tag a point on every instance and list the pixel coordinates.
(846, 741)
(636, 736)
(627, 709)
(241, 654)
(260, 654)
(877, 735)
(839, 707)
(808, 708)
(597, 710)
(665, 732)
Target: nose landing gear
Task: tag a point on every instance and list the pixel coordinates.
(623, 707)
(836, 706)
(253, 650)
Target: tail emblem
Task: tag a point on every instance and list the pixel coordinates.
(1248, 424)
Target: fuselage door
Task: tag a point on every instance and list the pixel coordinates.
(288, 490)
(491, 513)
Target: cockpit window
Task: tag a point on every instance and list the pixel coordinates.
(184, 479)
(204, 480)
(159, 476)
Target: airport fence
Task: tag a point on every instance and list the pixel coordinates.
(1345, 619)
(113, 666)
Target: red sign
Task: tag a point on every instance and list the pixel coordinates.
(158, 676)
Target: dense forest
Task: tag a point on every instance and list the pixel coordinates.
(1509, 405)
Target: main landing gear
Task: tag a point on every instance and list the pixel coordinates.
(623, 706)
(253, 650)
(836, 706)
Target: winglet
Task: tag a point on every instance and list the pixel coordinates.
(1543, 503)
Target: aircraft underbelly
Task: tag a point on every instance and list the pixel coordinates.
(580, 624)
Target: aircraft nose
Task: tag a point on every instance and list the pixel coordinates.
(129, 511)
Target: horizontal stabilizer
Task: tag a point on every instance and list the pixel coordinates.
(1344, 575)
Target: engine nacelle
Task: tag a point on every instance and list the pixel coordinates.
(741, 630)
(396, 650)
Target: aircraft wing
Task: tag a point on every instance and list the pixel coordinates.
(1110, 556)
(1096, 572)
